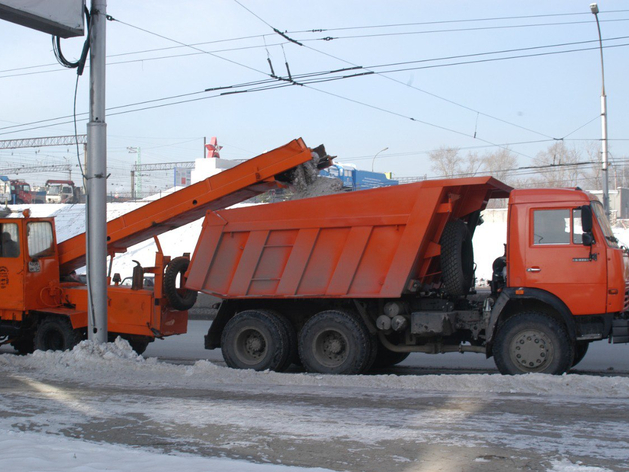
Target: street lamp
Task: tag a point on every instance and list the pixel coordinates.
(604, 155)
(374, 157)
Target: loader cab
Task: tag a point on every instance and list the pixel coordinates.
(29, 266)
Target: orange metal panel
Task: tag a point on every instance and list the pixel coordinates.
(299, 257)
(231, 186)
(361, 244)
(248, 262)
(351, 256)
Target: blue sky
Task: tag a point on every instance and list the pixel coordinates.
(412, 109)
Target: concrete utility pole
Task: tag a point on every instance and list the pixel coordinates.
(96, 176)
(604, 155)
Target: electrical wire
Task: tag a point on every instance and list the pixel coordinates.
(468, 20)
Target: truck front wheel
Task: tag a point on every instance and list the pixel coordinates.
(335, 342)
(532, 342)
(56, 334)
(255, 339)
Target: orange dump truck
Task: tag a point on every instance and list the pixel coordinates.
(345, 282)
(43, 307)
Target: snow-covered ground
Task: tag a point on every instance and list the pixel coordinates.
(116, 365)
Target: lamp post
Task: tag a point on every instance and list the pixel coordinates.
(604, 155)
(374, 157)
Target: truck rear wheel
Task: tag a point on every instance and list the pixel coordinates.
(532, 342)
(457, 258)
(56, 334)
(255, 339)
(178, 297)
(335, 342)
(293, 354)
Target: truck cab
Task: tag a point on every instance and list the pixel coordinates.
(28, 257)
(61, 191)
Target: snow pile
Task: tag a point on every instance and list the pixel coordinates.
(117, 364)
(567, 466)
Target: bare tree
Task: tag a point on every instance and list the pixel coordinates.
(500, 164)
(559, 167)
(448, 162)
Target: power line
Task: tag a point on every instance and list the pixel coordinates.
(454, 30)
(468, 20)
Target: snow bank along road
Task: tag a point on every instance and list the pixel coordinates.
(107, 394)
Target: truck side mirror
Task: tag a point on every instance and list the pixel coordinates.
(586, 225)
(586, 218)
(587, 239)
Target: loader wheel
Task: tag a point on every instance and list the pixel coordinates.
(255, 339)
(56, 334)
(457, 258)
(335, 342)
(532, 342)
(25, 344)
(178, 297)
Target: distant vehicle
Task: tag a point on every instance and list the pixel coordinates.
(62, 191)
(354, 179)
(20, 192)
(5, 189)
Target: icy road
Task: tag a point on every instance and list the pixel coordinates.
(455, 422)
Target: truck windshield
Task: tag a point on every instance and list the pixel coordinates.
(599, 211)
(53, 190)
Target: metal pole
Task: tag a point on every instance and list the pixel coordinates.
(96, 171)
(604, 154)
(374, 157)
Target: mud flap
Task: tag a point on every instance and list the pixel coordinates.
(620, 331)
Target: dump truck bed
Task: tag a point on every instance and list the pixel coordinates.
(246, 180)
(372, 243)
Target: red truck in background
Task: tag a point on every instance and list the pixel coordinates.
(345, 282)
(20, 192)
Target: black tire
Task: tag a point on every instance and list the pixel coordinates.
(291, 334)
(25, 344)
(388, 358)
(457, 258)
(532, 342)
(373, 353)
(56, 334)
(335, 342)
(255, 339)
(178, 297)
(580, 350)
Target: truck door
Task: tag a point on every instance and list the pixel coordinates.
(11, 268)
(558, 262)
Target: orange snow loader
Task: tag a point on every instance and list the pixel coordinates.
(43, 306)
(342, 283)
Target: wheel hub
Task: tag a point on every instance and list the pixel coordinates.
(254, 345)
(331, 348)
(531, 350)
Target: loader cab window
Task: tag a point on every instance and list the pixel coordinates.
(9, 240)
(40, 240)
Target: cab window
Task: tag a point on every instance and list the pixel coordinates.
(40, 240)
(9, 242)
(551, 227)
